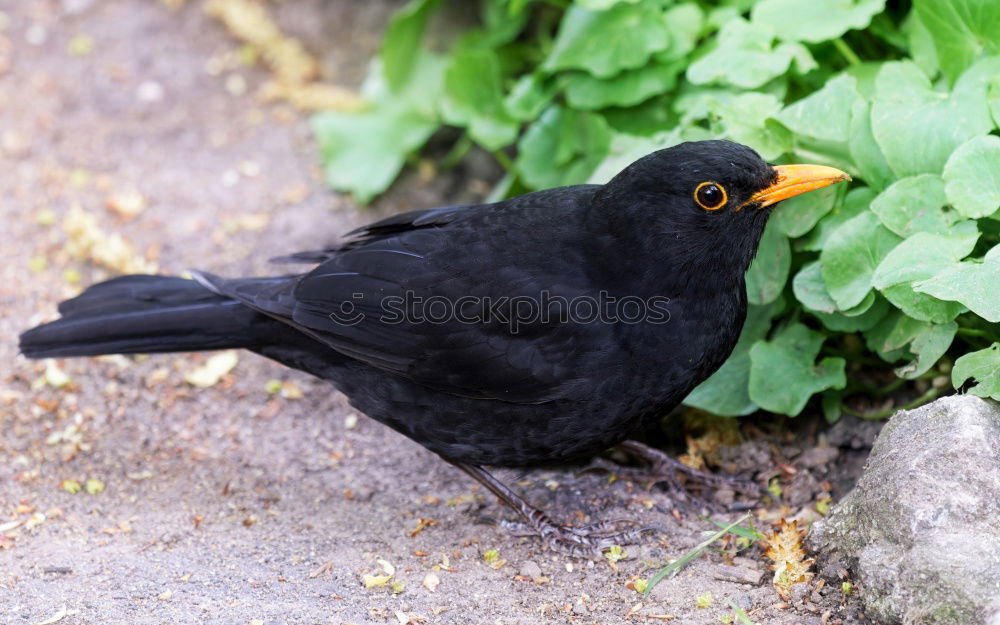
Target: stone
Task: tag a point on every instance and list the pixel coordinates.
(919, 530)
(738, 574)
(816, 457)
(530, 569)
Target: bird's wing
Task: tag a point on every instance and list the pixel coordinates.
(362, 301)
(403, 222)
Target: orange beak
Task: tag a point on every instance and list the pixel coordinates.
(795, 180)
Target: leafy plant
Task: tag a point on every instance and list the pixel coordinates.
(897, 273)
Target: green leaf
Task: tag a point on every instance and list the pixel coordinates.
(602, 5)
(842, 322)
(747, 119)
(983, 367)
(686, 22)
(401, 44)
(626, 149)
(584, 91)
(928, 347)
(815, 20)
(363, 152)
(865, 151)
(783, 372)
(607, 42)
(855, 202)
(563, 147)
(529, 96)
(923, 252)
(810, 289)
(920, 257)
(473, 98)
(850, 256)
(890, 336)
(961, 29)
(825, 114)
(645, 120)
(798, 215)
(993, 99)
(973, 284)
(768, 272)
(914, 204)
(917, 127)
(726, 392)
(921, 44)
(745, 56)
(972, 177)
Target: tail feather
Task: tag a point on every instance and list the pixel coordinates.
(146, 314)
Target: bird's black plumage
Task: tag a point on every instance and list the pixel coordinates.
(481, 391)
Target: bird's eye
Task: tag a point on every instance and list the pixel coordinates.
(710, 196)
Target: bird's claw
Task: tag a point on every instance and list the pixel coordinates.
(661, 468)
(586, 541)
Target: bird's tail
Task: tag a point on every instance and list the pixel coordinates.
(146, 314)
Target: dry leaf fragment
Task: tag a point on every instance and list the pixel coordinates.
(791, 566)
(291, 390)
(431, 581)
(249, 21)
(127, 204)
(58, 616)
(373, 581)
(421, 525)
(87, 241)
(323, 568)
(54, 376)
(214, 368)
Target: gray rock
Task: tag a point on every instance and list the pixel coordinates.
(738, 574)
(530, 569)
(920, 528)
(745, 602)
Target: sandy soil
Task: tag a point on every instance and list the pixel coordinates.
(229, 504)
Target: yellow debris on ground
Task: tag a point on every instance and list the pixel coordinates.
(295, 70)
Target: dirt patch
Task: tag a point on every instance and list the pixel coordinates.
(236, 504)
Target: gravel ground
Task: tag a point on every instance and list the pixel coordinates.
(229, 504)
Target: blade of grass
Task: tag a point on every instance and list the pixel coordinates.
(675, 567)
(741, 616)
(744, 532)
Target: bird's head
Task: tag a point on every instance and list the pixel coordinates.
(704, 201)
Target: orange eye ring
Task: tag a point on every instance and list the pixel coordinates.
(711, 195)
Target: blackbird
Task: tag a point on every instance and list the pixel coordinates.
(539, 329)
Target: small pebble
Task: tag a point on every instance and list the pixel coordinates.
(149, 91)
(76, 7)
(580, 608)
(799, 592)
(36, 35)
(236, 84)
(530, 569)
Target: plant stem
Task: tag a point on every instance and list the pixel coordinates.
(977, 332)
(457, 152)
(504, 160)
(846, 51)
(878, 415)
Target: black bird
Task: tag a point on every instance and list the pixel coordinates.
(539, 329)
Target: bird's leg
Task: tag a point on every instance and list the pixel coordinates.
(660, 467)
(587, 541)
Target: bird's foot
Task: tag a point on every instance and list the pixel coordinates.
(680, 479)
(585, 541)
